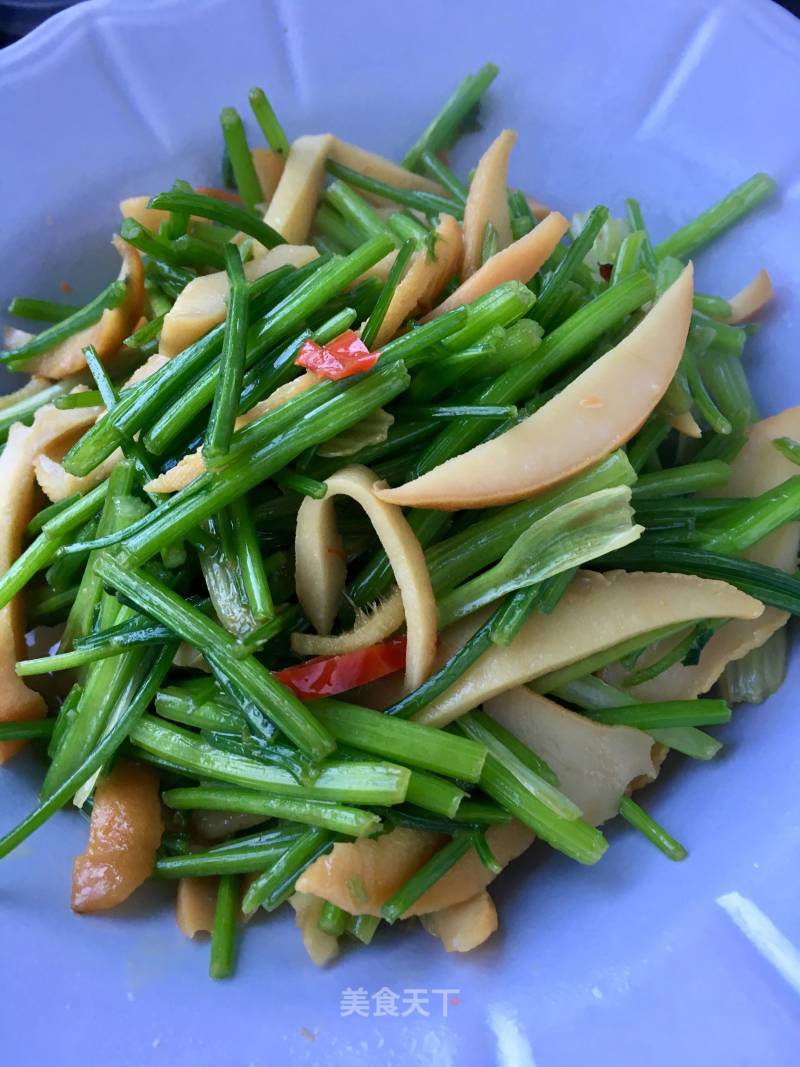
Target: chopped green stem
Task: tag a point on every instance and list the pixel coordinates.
(357, 212)
(417, 200)
(691, 478)
(407, 227)
(110, 297)
(717, 219)
(335, 325)
(375, 320)
(28, 307)
(197, 254)
(268, 121)
(149, 332)
(300, 483)
(101, 645)
(747, 523)
(522, 218)
(237, 856)
(640, 820)
(514, 613)
(352, 822)
(208, 207)
(666, 713)
(522, 752)
(26, 731)
(158, 248)
(434, 794)
(713, 306)
(726, 380)
(481, 812)
(501, 306)
(241, 161)
(648, 441)
(757, 675)
(332, 919)
(675, 655)
(406, 742)
(636, 222)
(329, 224)
(251, 562)
(459, 411)
(485, 854)
(363, 927)
(435, 168)
(276, 885)
(629, 257)
(286, 618)
(448, 674)
(232, 363)
(526, 769)
(788, 447)
(109, 688)
(552, 291)
(446, 125)
(428, 875)
(223, 935)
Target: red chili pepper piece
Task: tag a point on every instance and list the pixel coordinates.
(328, 675)
(344, 355)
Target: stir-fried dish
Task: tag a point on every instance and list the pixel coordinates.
(374, 522)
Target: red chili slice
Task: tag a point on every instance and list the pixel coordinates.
(328, 675)
(344, 355)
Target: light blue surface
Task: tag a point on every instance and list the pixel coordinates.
(631, 962)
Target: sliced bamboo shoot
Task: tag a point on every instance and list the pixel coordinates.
(294, 203)
(427, 274)
(195, 905)
(321, 565)
(597, 612)
(684, 423)
(135, 207)
(370, 629)
(361, 875)
(487, 201)
(268, 166)
(321, 947)
(204, 301)
(108, 333)
(594, 764)
(516, 263)
(462, 927)
(124, 834)
(596, 413)
(755, 296)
